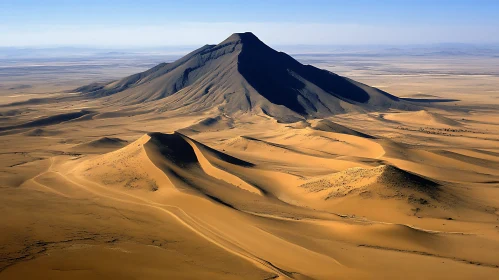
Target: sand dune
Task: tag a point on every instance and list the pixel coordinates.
(383, 181)
(329, 126)
(172, 171)
(211, 124)
(41, 132)
(175, 154)
(100, 145)
(385, 187)
(238, 207)
(50, 120)
(422, 118)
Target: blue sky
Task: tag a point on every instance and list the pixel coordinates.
(161, 23)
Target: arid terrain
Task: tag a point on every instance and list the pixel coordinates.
(198, 169)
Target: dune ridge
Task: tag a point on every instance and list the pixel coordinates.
(422, 117)
(176, 152)
(384, 182)
(329, 126)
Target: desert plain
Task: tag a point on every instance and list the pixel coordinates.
(98, 187)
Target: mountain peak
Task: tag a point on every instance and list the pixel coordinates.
(245, 38)
(243, 74)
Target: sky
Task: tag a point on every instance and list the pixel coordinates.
(142, 23)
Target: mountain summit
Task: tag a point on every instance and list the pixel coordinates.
(244, 75)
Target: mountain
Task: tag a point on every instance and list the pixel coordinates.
(243, 75)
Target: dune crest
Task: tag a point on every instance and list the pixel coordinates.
(41, 132)
(329, 126)
(384, 181)
(175, 154)
(101, 144)
(210, 124)
(422, 117)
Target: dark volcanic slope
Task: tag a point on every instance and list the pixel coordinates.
(273, 75)
(242, 74)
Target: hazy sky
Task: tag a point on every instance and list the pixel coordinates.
(162, 23)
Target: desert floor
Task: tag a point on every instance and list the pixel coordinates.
(95, 192)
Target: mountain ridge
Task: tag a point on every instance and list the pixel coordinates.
(241, 75)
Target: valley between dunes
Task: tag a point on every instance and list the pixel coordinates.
(148, 196)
